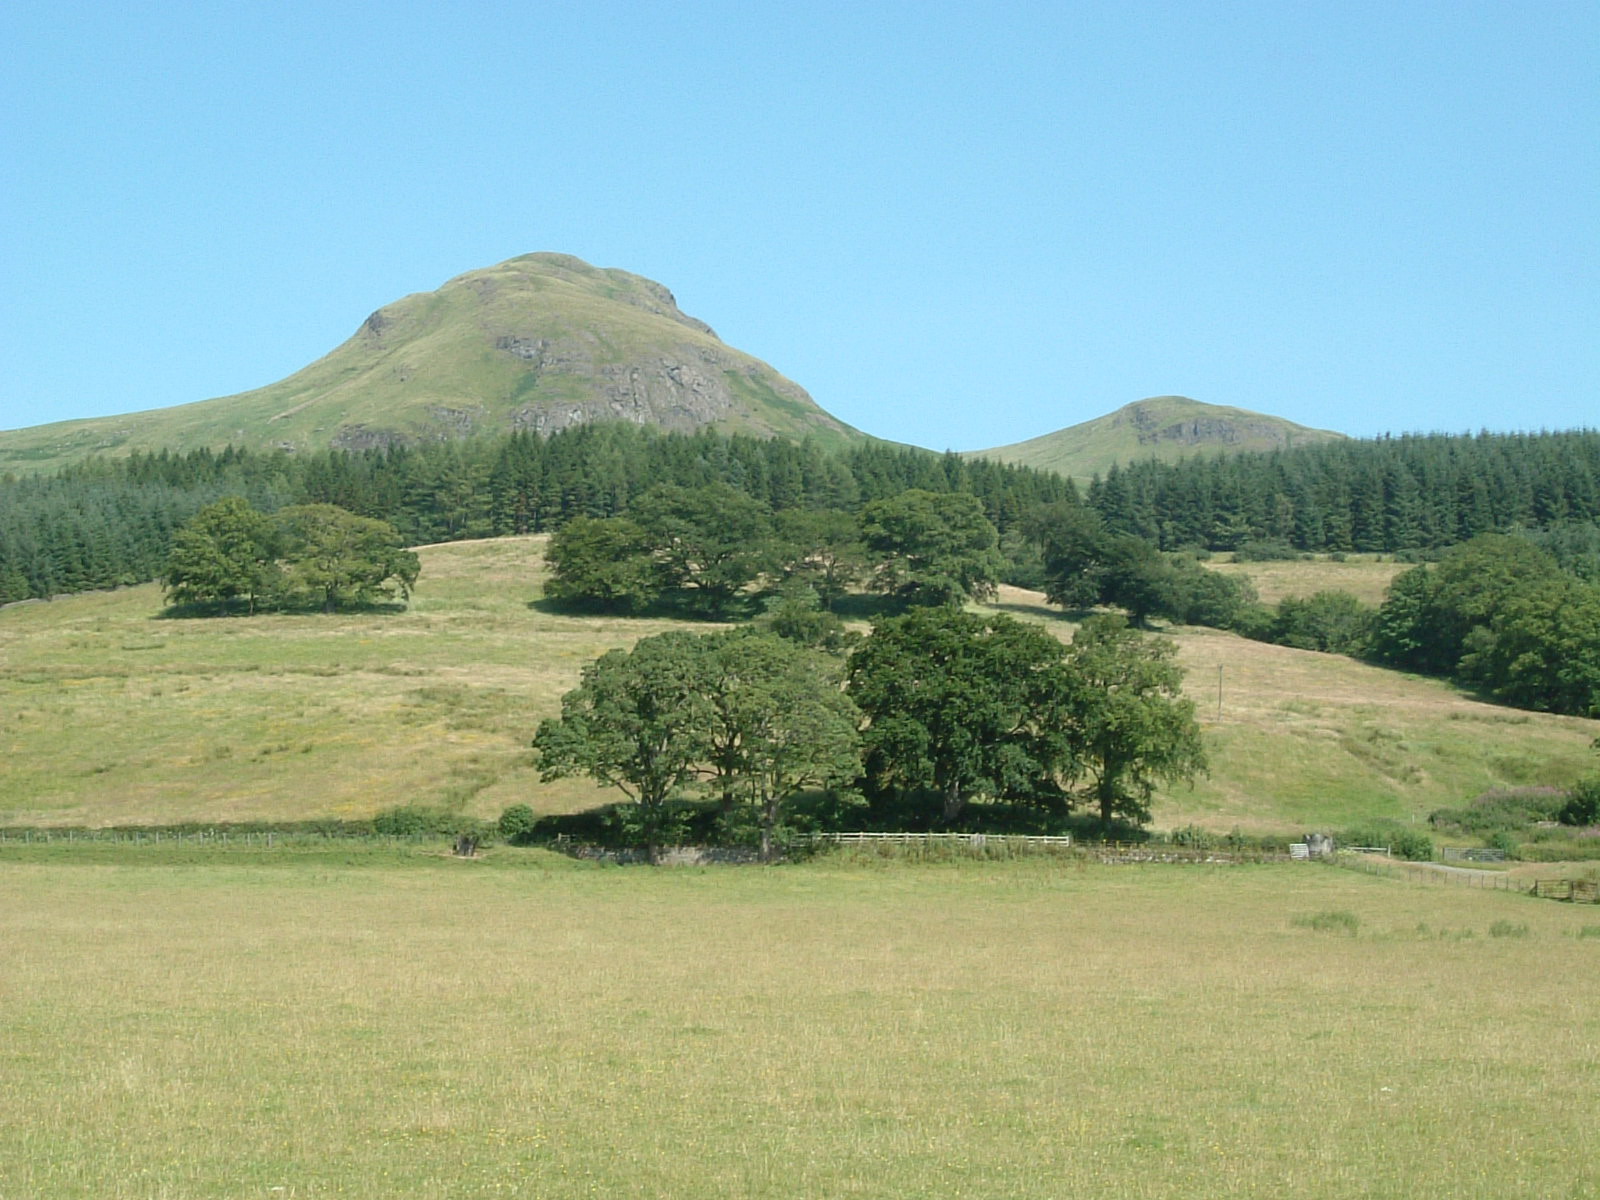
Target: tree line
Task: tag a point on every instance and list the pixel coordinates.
(110, 522)
(937, 710)
(1388, 495)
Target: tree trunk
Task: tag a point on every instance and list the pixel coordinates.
(954, 802)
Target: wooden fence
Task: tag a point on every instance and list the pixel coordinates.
(1576, 891)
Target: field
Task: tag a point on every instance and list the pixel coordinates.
(377, 1023)
(1364, 576)
(113, 714)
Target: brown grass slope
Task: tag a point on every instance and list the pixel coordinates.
(110, 713)
(1163, 427)
(540, 342)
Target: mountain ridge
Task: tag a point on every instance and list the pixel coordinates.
(539, 342)
(1165, 427)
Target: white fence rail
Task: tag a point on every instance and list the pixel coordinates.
(975, 840)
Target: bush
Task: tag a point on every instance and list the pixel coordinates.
(1194, 837)
(1582, 806)
(516, 824)
(409, 820)
(1267, 550)
(1501, 810)
(1409, 844)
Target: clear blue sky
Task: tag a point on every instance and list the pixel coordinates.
(956, 224)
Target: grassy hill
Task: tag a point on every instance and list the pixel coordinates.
(1164, 427)
(539, 342)
(111, 714)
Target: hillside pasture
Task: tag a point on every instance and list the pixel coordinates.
(1365, 576)
(111, 713)
(527, 1026)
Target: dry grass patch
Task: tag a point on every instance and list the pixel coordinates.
(1363, 576)
(1015, 1030)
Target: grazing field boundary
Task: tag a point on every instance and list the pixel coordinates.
(268, 839)
(1021, 843)
(1575, 891)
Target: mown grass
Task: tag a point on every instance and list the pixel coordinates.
(111, 713)
(1365, 576)
(527, 1026)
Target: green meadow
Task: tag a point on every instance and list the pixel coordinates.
(111, 713)
(394, 1023)
(363, 1019)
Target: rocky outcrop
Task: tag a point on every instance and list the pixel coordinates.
(1153, 428)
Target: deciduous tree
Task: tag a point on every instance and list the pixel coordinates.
(335, 557)
(932, 547)
(226, 552)
(1131, 727)
(637, 722)
(961, 705)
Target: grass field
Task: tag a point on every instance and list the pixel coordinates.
(381, 1023)
(112, 714)
(1364, 576)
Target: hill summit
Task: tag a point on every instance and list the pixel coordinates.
(540, 342)
(1163, 427)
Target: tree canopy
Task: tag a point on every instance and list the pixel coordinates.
(932, 547)
(754, 715)
(1132, 728)
(962, 706)
(317, 555)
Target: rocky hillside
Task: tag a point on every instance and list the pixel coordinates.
(540, 342)
(1164, 427)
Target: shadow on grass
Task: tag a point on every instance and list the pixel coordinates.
(187, 612)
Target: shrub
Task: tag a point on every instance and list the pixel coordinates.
(1582, 806)
(409, 820)
(516, 824)
(1409, 844)
(1266, 550)
(1194, 836)
(1507, 810)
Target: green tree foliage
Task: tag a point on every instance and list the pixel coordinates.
(760, 717)
(1541, 649)
(1131, 727)
(1072, 540)
(795, 613)
(822, 547)
(777, 722)
(226, 552)
(1388, 494)
(1086, 564)
(960, 705)
(1333, 622)
(335, 558)
(602, 563)
(637, 722)
(1431, 611)
(932, 548)
(709, 542)
(1582, 806)
(110, 522)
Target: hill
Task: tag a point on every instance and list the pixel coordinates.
(1163, 427)
(110, 714)
(540, 342)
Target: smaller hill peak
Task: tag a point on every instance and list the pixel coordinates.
(1164, 427)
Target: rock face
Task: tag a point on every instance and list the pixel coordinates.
(1154, 425)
